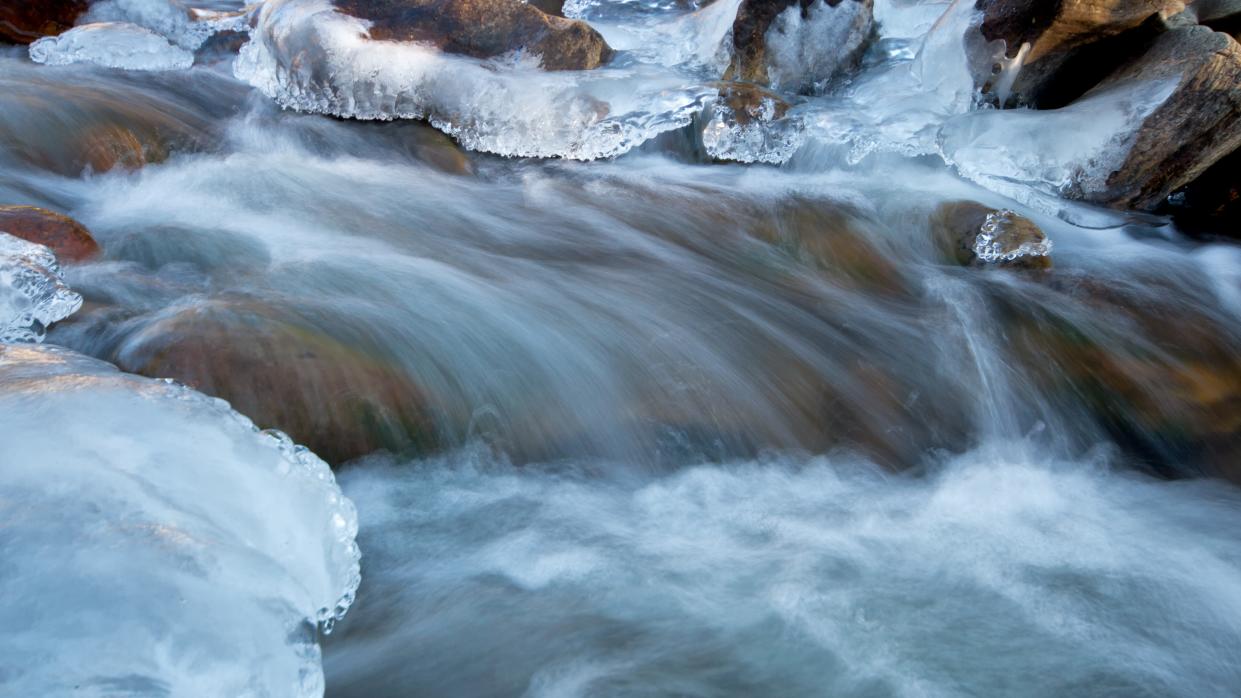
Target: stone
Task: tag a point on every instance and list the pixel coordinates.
(971, 234)
(484, 29)
(1196, 126)
(24, 21)
(799, 45)
(1060, 49)
(339, 400)
(68, 239)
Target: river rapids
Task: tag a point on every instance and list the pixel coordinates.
(668, 403)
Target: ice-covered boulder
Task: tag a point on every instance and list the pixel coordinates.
(798, 45)
(484, 29)
(23, 21)
(112, 45)
(156, 543)
(1052, 52)
(67, 238)
(1196, 125)
(971, 234)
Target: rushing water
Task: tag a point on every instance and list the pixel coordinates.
(681, 428)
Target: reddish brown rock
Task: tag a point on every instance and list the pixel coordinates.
(339, 400)
(484, 29)
(66, 237)
(1197, 125)
(23, 21)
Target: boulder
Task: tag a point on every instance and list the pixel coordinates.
(970, 234)
(23, 21)
(1055, 51)
(484, 29)
(798, 45)
(338, 399)
(1211, 204)
(68, 239)
(1195, 126)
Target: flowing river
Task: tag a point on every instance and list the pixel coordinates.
(646, 425)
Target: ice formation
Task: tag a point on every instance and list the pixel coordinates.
(991, 247)
(156, 543)
(309, 57)
(806, 49)
(185, 27)
(32, 293)
(758, 135)
(112, 45)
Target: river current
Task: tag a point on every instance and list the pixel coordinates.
(700, 411)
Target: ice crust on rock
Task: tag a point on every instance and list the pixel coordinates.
(187, 28)
(757, 136)
(308, 57)
(807, 49)
(158, 542)
(32, 293)
(112, 45)
(990, 248)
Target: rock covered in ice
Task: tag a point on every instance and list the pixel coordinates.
(156, 543)
(32, 293)
(970, 233)
(799, 45)
(185, 26)
(309, 57)
(1195, 126)
(112, 45)
(750, 124)
(484, 29)
(24, 21)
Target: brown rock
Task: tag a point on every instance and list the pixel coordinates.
(337, 399)
(847, 24)
(23, 21)
(66, 237)
(961, 228)
(484, 29)
(1072, 43)
(750, 102)
(1197, 125)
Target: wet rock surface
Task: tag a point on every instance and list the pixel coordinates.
(68, 239)
(24, 21)
(484, 29)
(337, 399)
(1062, 47)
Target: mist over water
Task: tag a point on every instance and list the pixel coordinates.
(667, 426)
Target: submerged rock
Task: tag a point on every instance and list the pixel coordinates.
(1055, 51)
(337, 399)
(67, 238)
(1196, 125)
(971, 234)
(798, 45)
(23, 21)
(484, 29)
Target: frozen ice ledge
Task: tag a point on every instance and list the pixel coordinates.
(158, 542)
